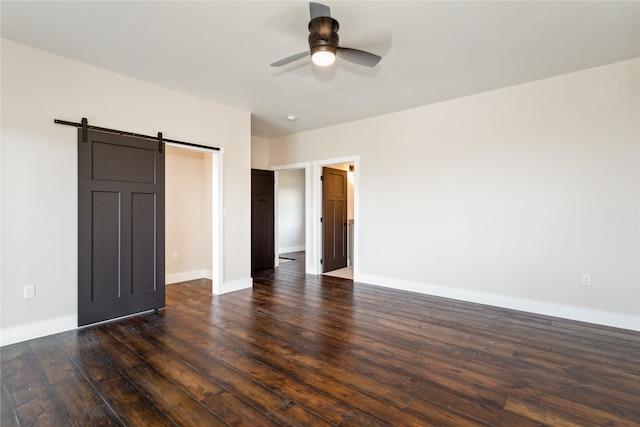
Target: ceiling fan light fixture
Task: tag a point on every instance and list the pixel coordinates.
(324, 42)
(323, 58)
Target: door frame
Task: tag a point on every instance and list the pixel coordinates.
(217, 214)
(313, 210)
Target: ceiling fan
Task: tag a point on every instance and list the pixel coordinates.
(324, 42)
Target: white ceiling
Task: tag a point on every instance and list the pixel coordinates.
(432, 51)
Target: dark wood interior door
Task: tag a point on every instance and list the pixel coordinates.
(334, 219)
(120, 226)
(262, 220)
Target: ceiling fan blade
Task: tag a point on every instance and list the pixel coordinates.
(290, 59)
(316, 10)
(359, 57)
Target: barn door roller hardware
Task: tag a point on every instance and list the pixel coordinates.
(84, 124)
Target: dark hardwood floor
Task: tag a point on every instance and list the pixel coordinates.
(306, 350)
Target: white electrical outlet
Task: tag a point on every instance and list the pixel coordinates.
(586, 280)
(383, 258)
(29, 291)
(176, 255)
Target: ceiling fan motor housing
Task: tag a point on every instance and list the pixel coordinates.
(324, 41)
(323, 35)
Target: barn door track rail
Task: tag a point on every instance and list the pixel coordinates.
(84, 124)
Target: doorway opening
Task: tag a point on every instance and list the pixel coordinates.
(291, 220)
(121, 211)
(338, 221)
(292, 216)
(352, 219)
(313, 211)
(193, 226)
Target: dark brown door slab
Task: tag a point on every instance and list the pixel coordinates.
(120, 226)
(334, 219)
(262, 220)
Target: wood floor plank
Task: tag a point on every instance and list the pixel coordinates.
(358, 419)
(300, 350)
(596, 375)
(36, 404)
(518, 326)
(228, 407)
(312, 373)
(236, 412)
(478, 409)
(129, 402)
(372, 404)
(18, 367)
(77, 396)
(8, 416)
(545, 416)
(33, 399)
(178, 405)
(231, 368)
(409, 360)
(236, 376)
(514, 343)
(165, 362)
(296, 415)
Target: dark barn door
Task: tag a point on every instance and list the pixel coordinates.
(120, 226)
(334, 219)
(262, 220)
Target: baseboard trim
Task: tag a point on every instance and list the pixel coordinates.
(235, 285)
(538, 307)
(291, 249)
(186, 276)
(40, 329)
(57, 325)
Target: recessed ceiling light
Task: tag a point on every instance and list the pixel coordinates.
(292, 118)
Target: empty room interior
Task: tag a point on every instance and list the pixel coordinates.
(203, 223)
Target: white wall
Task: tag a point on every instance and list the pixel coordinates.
(39, 175)
(259, 153)
(291, 211)
(505, 198)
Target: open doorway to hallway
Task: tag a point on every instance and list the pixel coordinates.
(293, 210)
(290, 221)
(313, 210)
